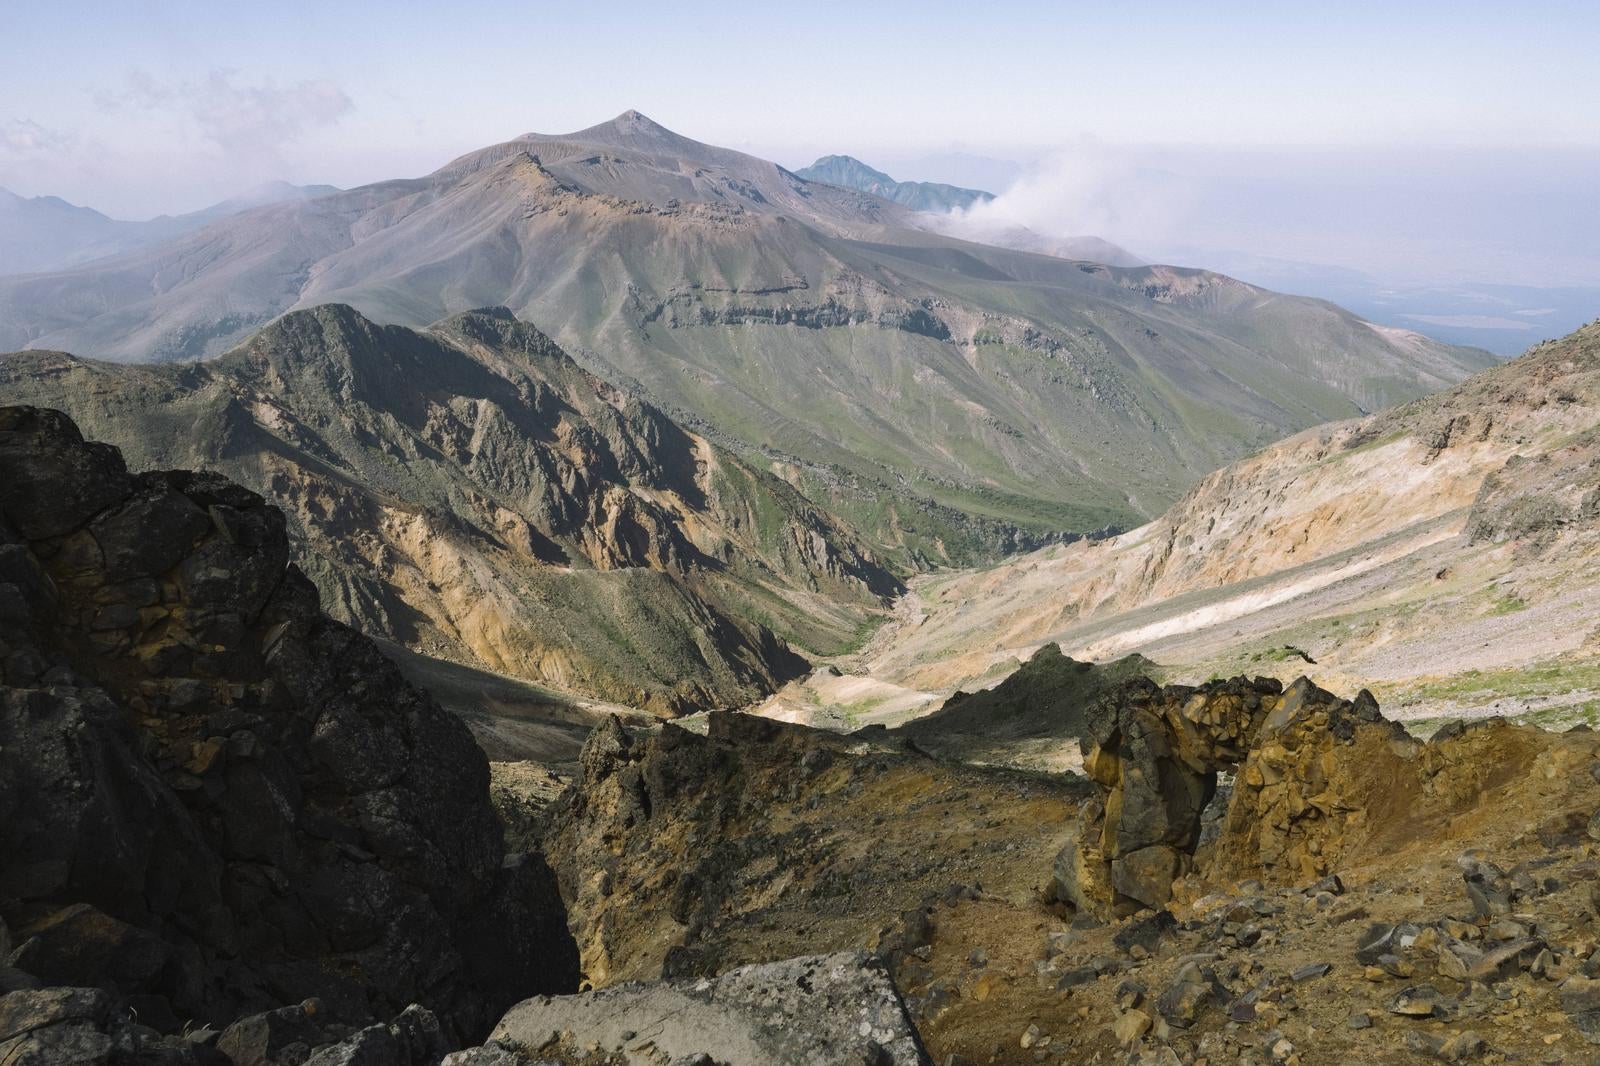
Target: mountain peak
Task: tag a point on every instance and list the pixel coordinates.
(850, 164)
(632, 130)
(848, 172)
(630, 124)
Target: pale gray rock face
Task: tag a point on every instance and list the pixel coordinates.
(820, 1010)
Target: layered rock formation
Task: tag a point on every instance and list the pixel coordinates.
(215, 799)
(470, 493)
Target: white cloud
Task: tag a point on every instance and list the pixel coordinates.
(24, 137)
(1086, 190)
(246, 119)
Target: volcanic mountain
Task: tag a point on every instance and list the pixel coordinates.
(900, 377)
(469, 492)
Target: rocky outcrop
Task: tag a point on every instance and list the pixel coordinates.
(1045, 699)
(826, 1010)
(638, 801)
(683, 854)
(1534, 500)
(213, 798)
(1318, 783)
(1156, 753)
(1294, 808)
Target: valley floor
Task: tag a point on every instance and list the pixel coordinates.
(1436, 627)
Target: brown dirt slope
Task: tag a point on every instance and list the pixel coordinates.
(692, 854)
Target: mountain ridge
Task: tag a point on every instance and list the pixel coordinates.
(800, 319)
(45, 233)
(470, 492)
(852, 173)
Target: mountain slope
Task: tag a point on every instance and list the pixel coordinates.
(851, 173)
(1445, 553)
(899, 377)
(470, 492)
(45, 233)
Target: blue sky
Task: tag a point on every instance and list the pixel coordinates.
(144, 107)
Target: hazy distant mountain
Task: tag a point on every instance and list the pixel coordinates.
(852, 173)
(938, 201)
(270, 192)
(924, 387)
(47, 233)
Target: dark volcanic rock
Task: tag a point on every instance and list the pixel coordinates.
(84, 1027)
(1155, 752)
(214, 798)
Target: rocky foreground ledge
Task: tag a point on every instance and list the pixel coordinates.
(230, 832)
(1254, 873)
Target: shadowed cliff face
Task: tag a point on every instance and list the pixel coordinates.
(470, 492)
(213, 797)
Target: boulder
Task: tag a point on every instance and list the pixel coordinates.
(1580, 998)
(284, 1036)
(81, 939)
(825, 1010)
(412, 1039)
(1191, 990)
(86, 1027)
